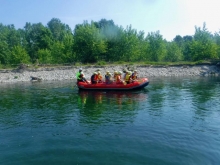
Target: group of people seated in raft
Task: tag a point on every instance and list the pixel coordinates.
(96, 78)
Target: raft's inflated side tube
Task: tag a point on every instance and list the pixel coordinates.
(140, 83)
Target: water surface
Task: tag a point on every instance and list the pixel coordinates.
(171, 121)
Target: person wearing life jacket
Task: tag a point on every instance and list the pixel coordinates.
(128, 79)
(134, 75)
(78, 75)
(108, 78)
(125, 73)
(99, 76)
(118, 78)
(124, 76)
(94, 78)
(82, 78)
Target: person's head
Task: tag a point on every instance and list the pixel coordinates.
(95, 73)
(125, 71)
(115, 72)
(107, 72)
(99, 72)
(82, 74)
(135, 71)
(129, 72)
(80, 69)
(119, 72)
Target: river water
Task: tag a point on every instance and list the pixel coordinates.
(171, 121)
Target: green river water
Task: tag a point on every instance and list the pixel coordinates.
(173, 121)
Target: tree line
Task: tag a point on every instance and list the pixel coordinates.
(57, 43)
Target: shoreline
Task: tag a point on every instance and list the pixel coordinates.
(69, 72)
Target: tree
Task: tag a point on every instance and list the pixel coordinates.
(38, 37)
(9, 38)
(112, 35)
(58, 52)
(45, 56)
(104, 24)
(187, 41)
(19, 55)
(69, 55)
(88, 43)
(174, 52)
(58, 29)
(203, 46)
(179, 41)
(142, 47)
(4, 49)
(156, 47)
(13, 37)
(130, 45)
(217, 41)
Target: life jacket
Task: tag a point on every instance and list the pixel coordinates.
(107, 77)
(118, 78)
(134, 76)
(99, 77)
(94, 77)
(78, 75)
(127, 77)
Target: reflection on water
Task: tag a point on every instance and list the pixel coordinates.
(105, 98)
(119, 106)
(172, 121)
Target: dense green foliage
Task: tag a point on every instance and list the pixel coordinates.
(100, 42)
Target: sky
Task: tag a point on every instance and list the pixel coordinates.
(170, 17)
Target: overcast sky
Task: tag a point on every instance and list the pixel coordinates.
(170, 17)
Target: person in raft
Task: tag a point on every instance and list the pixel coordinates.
(125, 73)
(118, 78)
(94, 78)
(80, 76)
(99, 77)
(108, 78)
(115, 75)
(128, 78)
(134, 75)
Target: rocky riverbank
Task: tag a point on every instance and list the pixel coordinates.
(23, 74)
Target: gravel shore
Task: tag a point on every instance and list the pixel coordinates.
(69, 72)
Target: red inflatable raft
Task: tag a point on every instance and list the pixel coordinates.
(138, 84)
